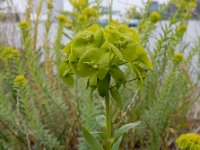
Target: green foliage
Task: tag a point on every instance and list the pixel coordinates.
(165, 93)
(93, 143)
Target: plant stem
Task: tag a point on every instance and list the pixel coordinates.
(108, 123)
(110, 11)
(39, 10)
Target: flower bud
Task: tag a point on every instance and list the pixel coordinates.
(155, 17)
(20, 80)
(50, 5)
(180, 30)
(10, 52)
(178, 57)
(62, 19)
(24, 24)
(89, 12)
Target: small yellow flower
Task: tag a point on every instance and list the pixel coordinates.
(62, 19)
(20, 80)
(49, 5)
(189, 141)
(78, 3)
(180, 30)
(10, 52)
(178, 57)
(155, 17)
(89, 12)
(24, 24)
(188, 5)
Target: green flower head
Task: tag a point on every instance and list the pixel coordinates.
(98, 52)
(89, 12)
(20, 80)
(9, 52)
(78, 3)
(178, 57)
(189, 141)
(154, 17)
(180, 30)
(62, 19)
(24, 24)
(188, 5)
(50, 5)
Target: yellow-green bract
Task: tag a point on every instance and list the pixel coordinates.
(99, 51)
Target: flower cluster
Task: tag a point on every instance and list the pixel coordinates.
(98, 52)
(50, 5)
(64, 20)
(180, 30)
(87, 14)
(178, 57)
(189, 141)
(187, 5)
(20, 80)
(79, 3)
(9, 52)
(24, 24)
(154, 17)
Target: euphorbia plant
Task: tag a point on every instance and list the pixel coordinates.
(97, 54)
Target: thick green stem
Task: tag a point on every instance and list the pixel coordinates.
(108, 123)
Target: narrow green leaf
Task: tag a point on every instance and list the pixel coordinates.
(117, 97)
(125, 128)
(91, 140)
(116, 144)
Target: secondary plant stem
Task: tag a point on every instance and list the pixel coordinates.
(110, 11)
(108, 123)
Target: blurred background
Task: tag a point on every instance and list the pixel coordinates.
(127, 12)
